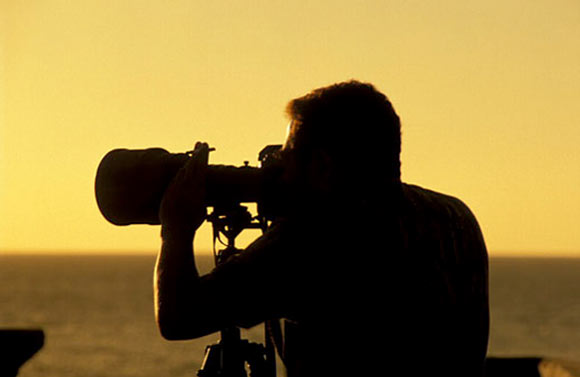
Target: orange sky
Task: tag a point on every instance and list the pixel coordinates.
(488, 94)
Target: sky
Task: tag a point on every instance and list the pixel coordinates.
(487, 92)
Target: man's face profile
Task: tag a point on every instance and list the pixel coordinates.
(307, 172)
(288, 158)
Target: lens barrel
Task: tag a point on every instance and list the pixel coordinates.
(130, 184)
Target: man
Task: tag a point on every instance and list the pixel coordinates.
(373, 276)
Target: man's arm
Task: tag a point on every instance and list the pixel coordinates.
(176, 280)
(176, 283)
(245, 291)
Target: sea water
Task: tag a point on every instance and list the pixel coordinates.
(97, 314)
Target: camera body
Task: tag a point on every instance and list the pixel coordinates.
(130, 184)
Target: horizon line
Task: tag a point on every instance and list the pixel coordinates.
(152, 252)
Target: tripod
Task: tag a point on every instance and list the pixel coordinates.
(229, 357)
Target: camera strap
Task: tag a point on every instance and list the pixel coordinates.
(275, 336)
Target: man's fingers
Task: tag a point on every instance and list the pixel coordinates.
(196, 167)
(183, 201)
(203, 152)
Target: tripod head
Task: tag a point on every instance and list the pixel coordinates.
(230, 221)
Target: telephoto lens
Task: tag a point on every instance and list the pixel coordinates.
(130, 183)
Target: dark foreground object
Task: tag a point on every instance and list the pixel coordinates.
(16, 347)
(530, 367)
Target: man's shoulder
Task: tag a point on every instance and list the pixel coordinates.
(418, 193)
(440, 215)
(426, 200)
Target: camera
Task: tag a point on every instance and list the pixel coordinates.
(130, 183)
(129, 187)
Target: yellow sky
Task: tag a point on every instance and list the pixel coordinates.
(488, 93)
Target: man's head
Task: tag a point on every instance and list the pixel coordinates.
(344, 136)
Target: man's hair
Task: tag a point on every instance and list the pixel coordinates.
(353, 122)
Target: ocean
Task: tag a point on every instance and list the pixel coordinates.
(97, 314)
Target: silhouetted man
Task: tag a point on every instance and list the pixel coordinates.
(373, 276)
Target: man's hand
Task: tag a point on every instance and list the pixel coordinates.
(182, 208)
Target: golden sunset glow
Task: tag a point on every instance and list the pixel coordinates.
(487, 92)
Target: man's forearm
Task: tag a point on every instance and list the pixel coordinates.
(175, 283)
